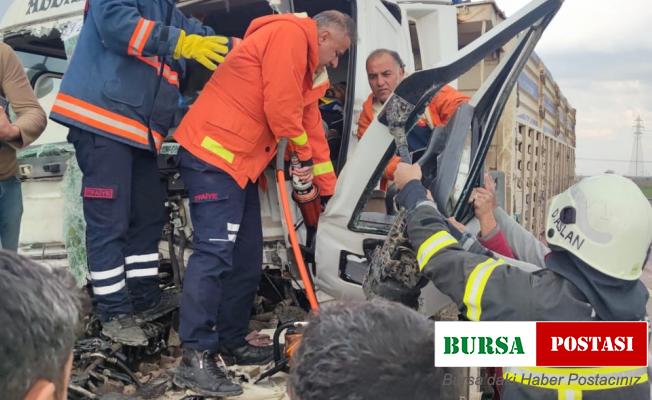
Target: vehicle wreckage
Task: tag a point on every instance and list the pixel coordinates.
(359, 248)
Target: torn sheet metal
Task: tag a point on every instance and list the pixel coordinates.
(69, 35)
(68, 29)
(26, 14)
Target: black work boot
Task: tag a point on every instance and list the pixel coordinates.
(247, 354)
(168, 302)
(124, 329)
(200, 373)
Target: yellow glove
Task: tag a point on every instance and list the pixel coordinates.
(206, 50)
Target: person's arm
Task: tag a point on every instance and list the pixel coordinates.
(483, 206)
(496, 242)
(30, 118)
(525, 246)
(284, 65)
(124, 30)
(484, 288)
(365, 118)
(484, 202)
(323, 171)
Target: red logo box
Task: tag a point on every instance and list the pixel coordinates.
(592, 344)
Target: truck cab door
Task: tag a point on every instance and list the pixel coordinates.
(352, 224)
(341, 247)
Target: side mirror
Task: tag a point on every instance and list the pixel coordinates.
(45, 84)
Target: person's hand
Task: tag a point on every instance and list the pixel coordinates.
(8, 132)
(484, 202)
(206, 50)
(405, 173)
(458, 225)
(489, 183)
(304, 174)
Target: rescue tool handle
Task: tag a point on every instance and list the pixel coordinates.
(280, 154)
(294, 242)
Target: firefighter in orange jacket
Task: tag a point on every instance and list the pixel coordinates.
(385, 70)
(267, 89)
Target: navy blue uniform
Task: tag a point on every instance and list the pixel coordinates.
(225, 267)
(119, 110)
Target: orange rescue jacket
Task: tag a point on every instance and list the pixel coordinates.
(266, 89)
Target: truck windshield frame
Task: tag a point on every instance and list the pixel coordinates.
(36, 65)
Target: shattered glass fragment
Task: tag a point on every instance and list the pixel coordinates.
(74, 226)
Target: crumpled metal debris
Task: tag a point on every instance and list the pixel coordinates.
(393, 271)
(104, 370)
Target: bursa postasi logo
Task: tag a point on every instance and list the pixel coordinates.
(535, 344)
(483, 345)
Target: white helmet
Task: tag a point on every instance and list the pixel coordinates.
(605, 221)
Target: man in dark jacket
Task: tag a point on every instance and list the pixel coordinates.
(599, 231)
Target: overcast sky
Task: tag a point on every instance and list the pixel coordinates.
(600, 54)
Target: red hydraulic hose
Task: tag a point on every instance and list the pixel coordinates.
(285, 203)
